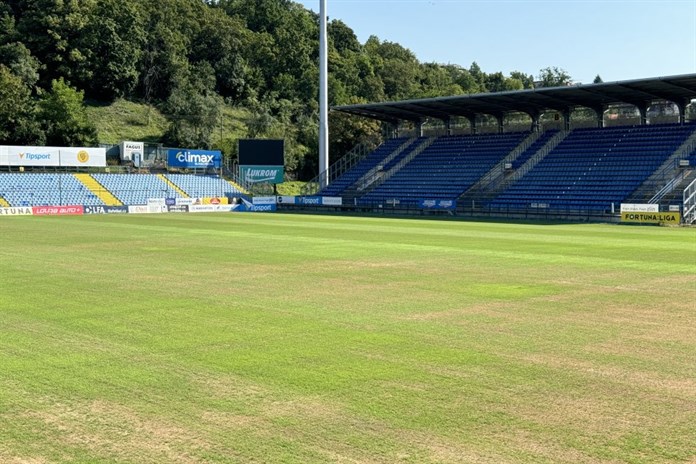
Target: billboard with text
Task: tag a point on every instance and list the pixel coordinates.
(194, 159)
(52, 156)
(262, 174)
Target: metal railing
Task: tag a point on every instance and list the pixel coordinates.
(689, 203)
(382, 176)
(538, 156)
(372, 172)
(668, 188)
(665, 174)
(336, 170)
(497, 172)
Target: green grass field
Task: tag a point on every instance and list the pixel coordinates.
(302, 339)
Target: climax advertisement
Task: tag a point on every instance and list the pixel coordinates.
(178, 158)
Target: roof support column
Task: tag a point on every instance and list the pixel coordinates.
(391, 130)
(566, 118)
(501, 120)
(599, 111)
(448, 125)
(643, 110)
(420, 125)
(536, 122)
(681, 105)
(472, 121)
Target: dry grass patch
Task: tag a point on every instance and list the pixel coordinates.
(109, 429)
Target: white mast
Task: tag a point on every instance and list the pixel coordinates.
(323, 98)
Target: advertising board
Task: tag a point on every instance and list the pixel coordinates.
(33, 156)
(105, 209)
(286, 200)
(52, 156)
(131, 150)
(264, 200)
(437, 204)
(71, 210)
(652, 218)
(213, 200)
(194, 159)
(639, 208)
(309, 201)
(93, 157)
(138, 209)
(331, 201)
(210, 208)
(254, 174)
(18, 211)
(248, 207)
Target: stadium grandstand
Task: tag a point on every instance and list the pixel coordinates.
(573, 152)
(24, 189)
(560, 165)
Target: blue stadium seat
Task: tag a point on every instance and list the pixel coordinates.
(445, 169)
(45, 189)
(591, 169)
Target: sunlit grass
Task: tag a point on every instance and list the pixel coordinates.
(281, 338)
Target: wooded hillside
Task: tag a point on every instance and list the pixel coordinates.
(194, 60)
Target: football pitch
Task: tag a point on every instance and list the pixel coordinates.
(254, 338)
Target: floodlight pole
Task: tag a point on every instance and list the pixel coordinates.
(323, 98)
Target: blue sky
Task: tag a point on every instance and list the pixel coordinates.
(616, 39)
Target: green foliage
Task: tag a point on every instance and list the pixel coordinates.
(527, 80)
(346, 131)
(126, 120)
(53, 30)
(18, 123)
(292, 188)
(553, 77)
(194, 109)
(189, 58)
(65, 118)
(113, 39)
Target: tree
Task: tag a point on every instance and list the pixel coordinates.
(597, 79)
(348, 131)
(194, 109)
(18, 125)
(527, 80)
(396, 66)
(479, 77)
(21, 62)
(220, 43)
(52, 30)
(462, 78)
(342, 37)
(554, 77)
(14, 54)
(63, 115)
(436, 81)
(113, 41)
